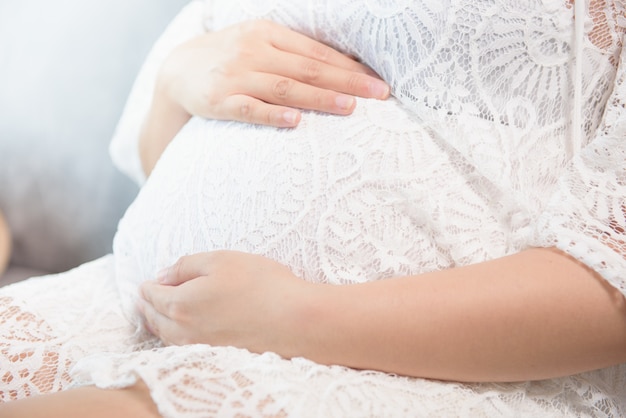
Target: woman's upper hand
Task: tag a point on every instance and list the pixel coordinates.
(262, 73)
(226, 298)
(257, 72)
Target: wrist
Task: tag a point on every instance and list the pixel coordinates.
(164, 120)
(317, 319)
(164, 100)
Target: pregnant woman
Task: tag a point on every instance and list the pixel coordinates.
(457, 249)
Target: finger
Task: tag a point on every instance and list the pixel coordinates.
(157, 296)
(159, 324)
(248, 109)
(185, 269)
(284, 91)
(368, 70)
(323, 74)
(328, 76)
(290, 41)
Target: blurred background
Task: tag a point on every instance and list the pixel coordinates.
(66, 68)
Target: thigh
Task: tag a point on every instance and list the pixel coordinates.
(132, 402)
(49, 323)
(202, 381)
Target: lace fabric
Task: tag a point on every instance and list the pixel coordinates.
(54, 349)
(587, 214)
(483, 89)
(48, 323)
(472, 160)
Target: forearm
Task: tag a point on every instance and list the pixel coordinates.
(533, 315)
(164, 120)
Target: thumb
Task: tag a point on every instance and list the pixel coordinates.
(186, 268)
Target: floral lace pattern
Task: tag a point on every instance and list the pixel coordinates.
(42, 337)
(37, 351)
(587, 214)
(460, 167)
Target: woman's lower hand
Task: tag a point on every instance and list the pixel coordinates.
(262, 73)
(226, 298)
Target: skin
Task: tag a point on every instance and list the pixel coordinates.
(256, 72)
(5, 244)
(532, 315)
(84, 402)
(219, 75)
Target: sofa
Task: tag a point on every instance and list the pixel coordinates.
(66, 68)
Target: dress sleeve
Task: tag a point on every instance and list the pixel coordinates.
(586, 217)
(124, 146)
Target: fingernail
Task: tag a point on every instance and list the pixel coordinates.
(290, 117)
(344, 102)
(379, 89)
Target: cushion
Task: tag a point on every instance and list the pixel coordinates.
(67, 67)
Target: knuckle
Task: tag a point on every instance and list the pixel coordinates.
(281, 88)
(211, 263)
(216, 258)
(320, 52)
(214, 255)
(312, 70)
(178, 268)
(264, 24)
(269, 117)
(354, 82)
(245, 111)
(247, 27)
(319, 100)
(177, 311)
(241, 52)
(256, 28)
(208, 103)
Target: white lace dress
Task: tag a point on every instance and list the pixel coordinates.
(495, 141)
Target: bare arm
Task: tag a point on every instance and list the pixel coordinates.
(533, 315)
(164, 120)
(255, 72)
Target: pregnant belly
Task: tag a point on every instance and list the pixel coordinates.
(338, 199)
